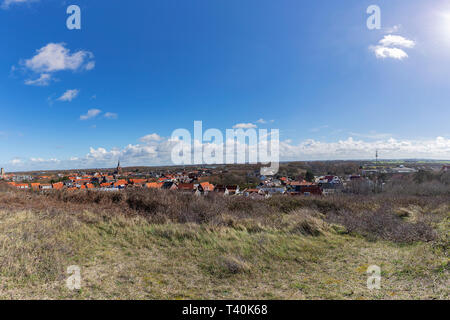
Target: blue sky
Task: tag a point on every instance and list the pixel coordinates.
(334, 88)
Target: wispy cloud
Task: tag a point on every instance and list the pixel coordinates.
(43, 160)
(90, 65)
(16, 161)
(262, 121)
(69, 95)
(92, 113)
(111, 115)
(245, 126)
(394, 29)
(7, 3)
(43, 80)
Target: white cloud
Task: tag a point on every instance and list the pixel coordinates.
(388, 47)
(16, 161)
(111, 115)
(157, 151)
(438, 148)
(394, 53)
(7, 3)
(398, 41)
(262, 121)
(92, 113)
(69, 95)
(43, 80)
(56, 57)
(130, 155)
(371, 135)
(40, 160)
(245, 126)
(150, 137)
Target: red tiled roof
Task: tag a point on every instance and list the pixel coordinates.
(106, 184)
(58, 186)
(135, 181)
(153, 185)
(120, 183)
(207, 186)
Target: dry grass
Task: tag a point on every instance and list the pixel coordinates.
(376, 216)
(138, 247)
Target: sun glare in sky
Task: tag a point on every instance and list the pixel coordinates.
(444, 25)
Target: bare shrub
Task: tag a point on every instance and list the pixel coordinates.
(240, 204)
(4, 187)
(360, 187)
(305, 222)
(382, 224)
(428, 188)
(288, 204)
(376, 216)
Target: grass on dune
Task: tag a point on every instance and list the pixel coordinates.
(130, 257)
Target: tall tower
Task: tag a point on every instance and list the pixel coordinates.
(119, 168)
(2, 173)
(376, 158)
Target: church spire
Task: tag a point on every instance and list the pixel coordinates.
(118, 169)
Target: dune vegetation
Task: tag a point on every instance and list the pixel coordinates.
(144, 244)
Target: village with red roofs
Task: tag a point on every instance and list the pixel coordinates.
(200, 180)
